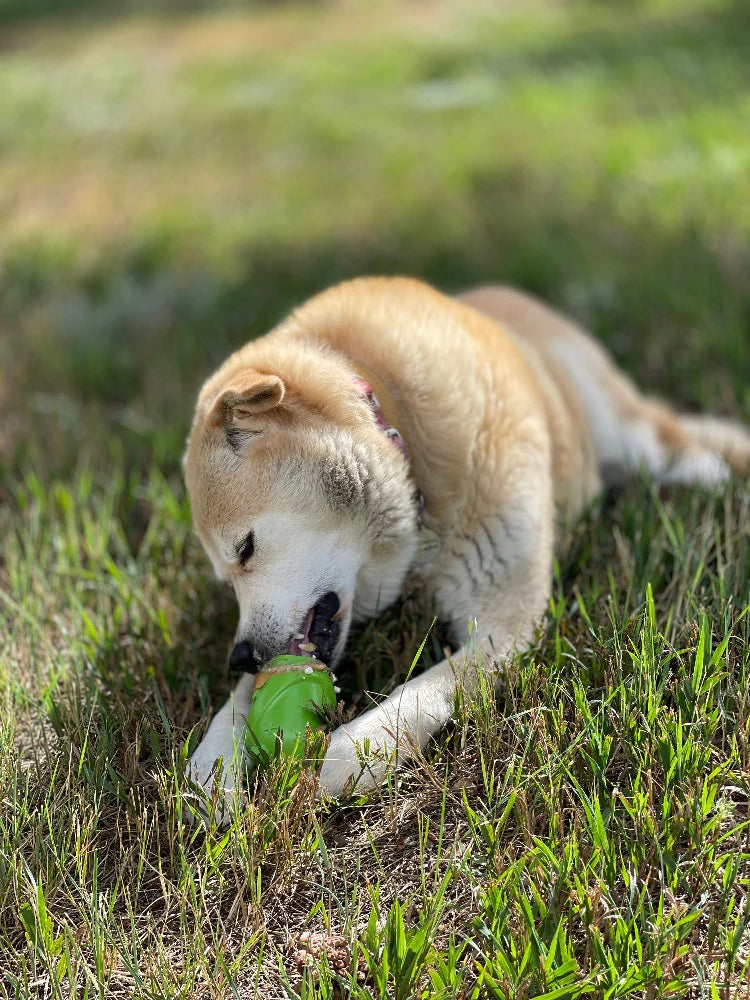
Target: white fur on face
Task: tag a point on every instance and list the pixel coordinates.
(327, 513)
(292, 567)
(381, 578)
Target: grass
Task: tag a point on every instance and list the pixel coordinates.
(170, 185)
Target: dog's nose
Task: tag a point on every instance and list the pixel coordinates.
(242, 658)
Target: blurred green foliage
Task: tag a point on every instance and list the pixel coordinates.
(173, 184)
(19, 9)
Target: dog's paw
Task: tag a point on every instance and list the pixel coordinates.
(353, 763)
(214, 785)
(362, 751)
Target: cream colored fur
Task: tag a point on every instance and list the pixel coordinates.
(513, 419)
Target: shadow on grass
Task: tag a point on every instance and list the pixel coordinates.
(20, 10)
(113, 356)
(694, 44)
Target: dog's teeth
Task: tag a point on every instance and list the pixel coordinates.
(337, 689)
(299, 635)
(308, 647)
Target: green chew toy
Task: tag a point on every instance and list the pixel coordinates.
(291, 694)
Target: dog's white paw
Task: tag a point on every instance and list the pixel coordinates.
(215, 774)
(217, 766)
(354, 762)
(342, 768)
(362, 751)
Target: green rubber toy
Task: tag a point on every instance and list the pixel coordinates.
(291, 694)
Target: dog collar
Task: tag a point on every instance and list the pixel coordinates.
(428, 542)
(392, 433)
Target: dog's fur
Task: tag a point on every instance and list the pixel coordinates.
(513, 419)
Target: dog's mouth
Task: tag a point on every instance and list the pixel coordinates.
(319, 632)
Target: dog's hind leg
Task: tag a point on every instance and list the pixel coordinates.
(718, 436)
(630, 431)
(673, 447)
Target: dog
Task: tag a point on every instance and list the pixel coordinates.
(385, 429)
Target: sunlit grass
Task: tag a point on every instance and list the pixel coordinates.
(257, 133)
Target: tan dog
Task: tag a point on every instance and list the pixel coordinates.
(512, 419)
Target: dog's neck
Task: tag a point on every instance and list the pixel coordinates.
(378, 411)
(388, 415)
(385, 411)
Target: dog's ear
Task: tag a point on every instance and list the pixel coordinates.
(255, 394)
(246, 398)
(236, 407)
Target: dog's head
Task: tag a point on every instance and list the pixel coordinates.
(301, 503)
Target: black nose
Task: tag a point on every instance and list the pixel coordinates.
(242, 658)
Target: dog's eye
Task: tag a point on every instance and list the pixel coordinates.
(246, 548)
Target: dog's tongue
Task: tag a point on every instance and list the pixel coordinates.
(303, 636)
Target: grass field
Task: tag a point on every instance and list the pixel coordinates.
(169, 186)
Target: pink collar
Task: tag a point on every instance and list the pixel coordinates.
(428, 544)
(366, 391)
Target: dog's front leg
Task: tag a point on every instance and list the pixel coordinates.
(509, 609)
(361, 750)
(218, 759)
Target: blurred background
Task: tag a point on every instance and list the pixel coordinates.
(174, 177)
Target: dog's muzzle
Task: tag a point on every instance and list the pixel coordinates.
(242, 658)
(317, 636)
